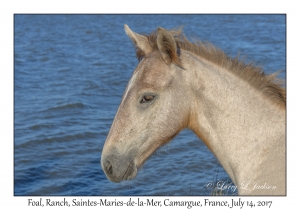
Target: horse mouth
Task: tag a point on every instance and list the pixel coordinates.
(130, 172)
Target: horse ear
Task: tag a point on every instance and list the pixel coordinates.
(139, 41)
(167, 46)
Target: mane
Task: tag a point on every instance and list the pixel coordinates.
(269, 85)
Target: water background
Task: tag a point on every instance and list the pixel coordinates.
(70, 72)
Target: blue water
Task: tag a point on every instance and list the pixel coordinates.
(70, 72)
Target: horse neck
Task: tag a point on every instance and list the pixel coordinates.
(236, 122)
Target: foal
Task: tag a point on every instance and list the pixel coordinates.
(234, 108)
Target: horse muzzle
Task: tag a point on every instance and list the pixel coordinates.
(118, 168)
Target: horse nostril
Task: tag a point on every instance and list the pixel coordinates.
(108, 167)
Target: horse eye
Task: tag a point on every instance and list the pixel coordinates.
(147, 99)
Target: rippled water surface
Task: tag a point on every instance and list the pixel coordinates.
(70, 72)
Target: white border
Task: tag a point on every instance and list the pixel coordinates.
(9, 8)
